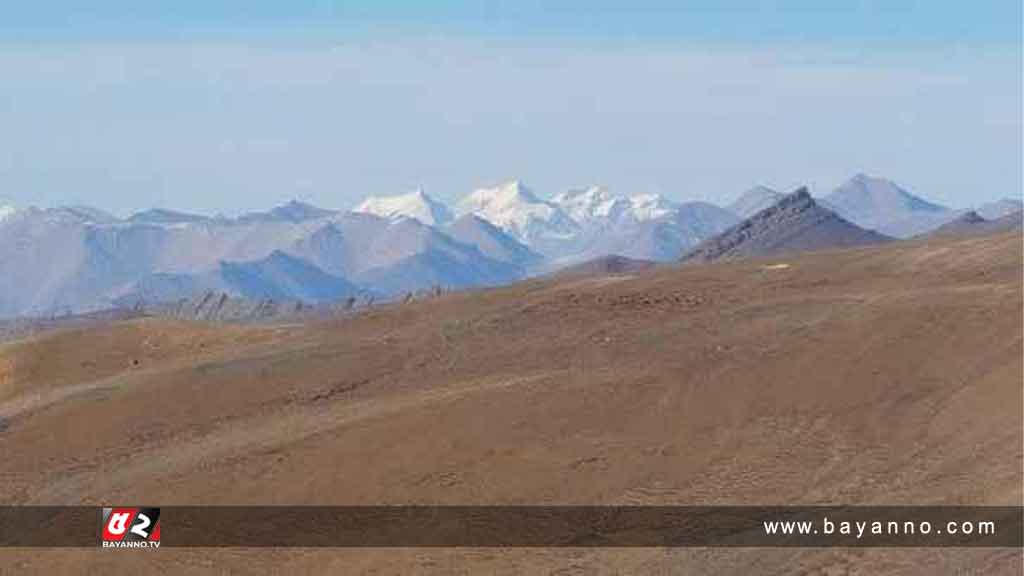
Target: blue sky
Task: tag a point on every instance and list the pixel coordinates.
(992, 21)
(232, 106)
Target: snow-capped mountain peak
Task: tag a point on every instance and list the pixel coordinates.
(503, 196)
(416, 204)
(596, 203)
(650, 207)
(517, 210)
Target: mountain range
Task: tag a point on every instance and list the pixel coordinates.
(794, 223)
(77, 259)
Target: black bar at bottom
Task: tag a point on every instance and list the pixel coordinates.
(535, 526)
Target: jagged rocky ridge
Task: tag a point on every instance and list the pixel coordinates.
(794, 223)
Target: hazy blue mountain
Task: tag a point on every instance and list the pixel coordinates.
(754, 200)
(293, 211)
(438, 268)
(285, 277)
(1000, 208)
(77, 259)
(409, 255)
(492, 241)
(279, 276)
(879, 204)
(61, 259)
(161, 216)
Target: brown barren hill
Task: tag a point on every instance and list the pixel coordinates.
(612, 265)
(795, 223)
(887, 374)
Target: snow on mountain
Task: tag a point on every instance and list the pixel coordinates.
(599, 223)
(515, 209)
(662, 238)
(80, 258)
(650, 207)
(6, 212)
(645, 226)
(596, 205)
(416, 204)
(593, 204)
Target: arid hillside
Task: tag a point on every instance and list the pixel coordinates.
(880, 375)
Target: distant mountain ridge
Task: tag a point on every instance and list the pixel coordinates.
(794, 223)
(754, 200)
(971, 223)
(492, 241)
(78, 258)
(1000, 208)
(6, 211)
(881, 205)
(72, 260)
(607, 265)
(279, 276)
(416, 204)
(518, 211)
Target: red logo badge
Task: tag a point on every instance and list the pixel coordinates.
(131, 528)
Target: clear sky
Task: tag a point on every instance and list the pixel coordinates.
(238, 105)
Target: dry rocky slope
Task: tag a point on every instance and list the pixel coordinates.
(795, 223)
(607, 265)
(887, 374)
